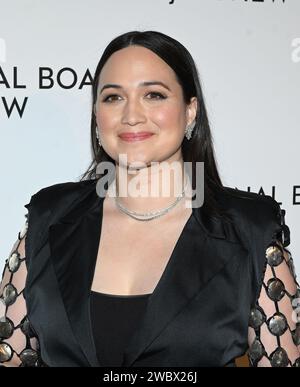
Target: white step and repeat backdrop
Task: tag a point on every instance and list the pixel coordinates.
(248, 57)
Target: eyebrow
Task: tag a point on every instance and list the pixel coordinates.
(148, 83)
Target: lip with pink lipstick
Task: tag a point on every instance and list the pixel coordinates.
(138, 136)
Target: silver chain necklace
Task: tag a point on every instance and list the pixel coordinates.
(148, 215)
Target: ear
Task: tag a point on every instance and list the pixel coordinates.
(94, 109)
(191, 110)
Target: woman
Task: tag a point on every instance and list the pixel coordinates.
(150, 280)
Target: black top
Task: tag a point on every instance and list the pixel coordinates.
(114, 320)
(201, 308)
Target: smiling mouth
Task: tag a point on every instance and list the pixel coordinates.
(132, 137)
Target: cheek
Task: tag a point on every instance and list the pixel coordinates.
(168, 118)
(168, 114)
(105, 120)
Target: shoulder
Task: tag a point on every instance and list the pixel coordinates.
(58, 194)
(249, 206)
(255, 216)
(50, 203)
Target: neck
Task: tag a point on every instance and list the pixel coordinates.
(150, 188)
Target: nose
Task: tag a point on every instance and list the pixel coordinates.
(133, 113)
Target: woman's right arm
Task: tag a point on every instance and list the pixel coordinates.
(19, 346)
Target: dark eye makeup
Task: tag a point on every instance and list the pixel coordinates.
(157, 94)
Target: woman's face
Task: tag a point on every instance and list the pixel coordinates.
(129, 106)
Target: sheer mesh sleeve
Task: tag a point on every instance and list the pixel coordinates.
(19, 346)
(274, 326)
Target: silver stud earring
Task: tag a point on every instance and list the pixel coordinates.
(98, 137)
(189, 129)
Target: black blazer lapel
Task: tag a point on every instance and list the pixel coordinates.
(203, 248)
(74, 241)
(200, 253)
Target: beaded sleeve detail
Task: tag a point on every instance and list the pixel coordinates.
(19, 345)
(274, 326)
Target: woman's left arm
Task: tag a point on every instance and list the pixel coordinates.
(274, 327)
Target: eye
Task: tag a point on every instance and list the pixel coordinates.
(157, 94)
(109, 96)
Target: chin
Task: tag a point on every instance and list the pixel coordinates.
(136, 160)
(137, 164)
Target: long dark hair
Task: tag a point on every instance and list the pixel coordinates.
(200, 146)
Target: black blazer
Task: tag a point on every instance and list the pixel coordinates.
(198, 313)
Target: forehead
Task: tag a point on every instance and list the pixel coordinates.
(134, 64)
